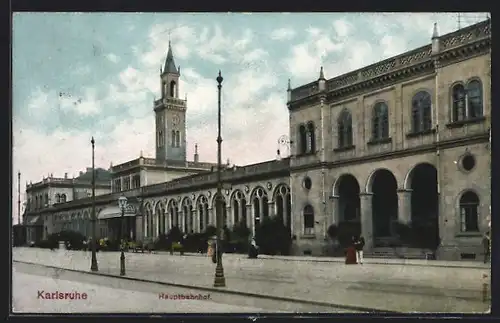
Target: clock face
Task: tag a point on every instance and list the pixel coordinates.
(175, 119)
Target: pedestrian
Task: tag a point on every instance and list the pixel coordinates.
(486, 246)
(350, 255)
(253, 249)
(360, 243)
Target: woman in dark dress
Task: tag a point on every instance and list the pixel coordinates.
(350, 257)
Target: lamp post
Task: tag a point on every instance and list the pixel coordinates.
(220, 280)
(122, 203)
(93, 266)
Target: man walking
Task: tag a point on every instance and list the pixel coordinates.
(359, 245)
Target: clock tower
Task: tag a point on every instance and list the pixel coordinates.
(170, 114)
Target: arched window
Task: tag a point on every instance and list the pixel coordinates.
(308, 219)
(475, 99)
(302, 139)
(469, 212)
(345, 129)
(311, 138)
(458, 97)
(165, 89)
(173, 138)
(58, 198)
(380, 122)
(63, 198)
(421, 112)
(46, 199)
(172, 89)
(177, 139)
(36, 203)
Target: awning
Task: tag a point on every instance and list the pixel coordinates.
(36, 220)
(115, 212)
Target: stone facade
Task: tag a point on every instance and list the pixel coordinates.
(404, 140)
(397, 82)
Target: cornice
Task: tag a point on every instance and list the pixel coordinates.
(452, 143)
(459, 45)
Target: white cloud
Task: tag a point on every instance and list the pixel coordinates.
(342, 27)
(113, 58)
(283, 34)
(82, 70)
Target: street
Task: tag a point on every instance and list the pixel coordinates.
(33, 288)
(399, 288)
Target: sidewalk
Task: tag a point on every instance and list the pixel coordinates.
(255, 280)
(376, 261)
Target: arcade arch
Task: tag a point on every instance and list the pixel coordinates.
(259, 205)
(187, 211)
(239, 207)
(423, 182)
(383, 184)
(203, 216)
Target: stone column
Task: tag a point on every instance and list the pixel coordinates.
(130, 181)
(335, 216)
(271, 209)
(211, 216)
(139, 235)
(229, 214)
(248, 215)
(367, 219)
(196, 223)
(404, 206)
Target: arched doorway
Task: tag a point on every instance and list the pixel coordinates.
(187, 210)
(223, 209)
(260, 205)
(283, 203)
(384, 204)
(239, 207)
(349, 203)
(203, 219)
(173, 210)
(425, 205)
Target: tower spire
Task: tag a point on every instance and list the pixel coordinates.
(169, 61)
(435, 33)
(321, 74)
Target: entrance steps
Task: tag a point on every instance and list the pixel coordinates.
(399, 253)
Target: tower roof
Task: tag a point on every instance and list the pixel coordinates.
(169, 66)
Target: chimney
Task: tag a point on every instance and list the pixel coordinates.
(196, 156)
(65, 175)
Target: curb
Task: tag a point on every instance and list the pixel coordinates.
(224, 291)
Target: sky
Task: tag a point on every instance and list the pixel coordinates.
(78, 75)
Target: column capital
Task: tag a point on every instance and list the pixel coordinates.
(404, 190)
(365, 194)
(333, 197)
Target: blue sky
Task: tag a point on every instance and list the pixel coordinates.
(81, 74)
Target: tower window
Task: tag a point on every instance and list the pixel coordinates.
(160, 139)
(173, 89)
(173, 138)
(177, 139)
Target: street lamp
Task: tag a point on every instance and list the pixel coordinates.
(122, 203)
(93, 266)
(220, 280)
